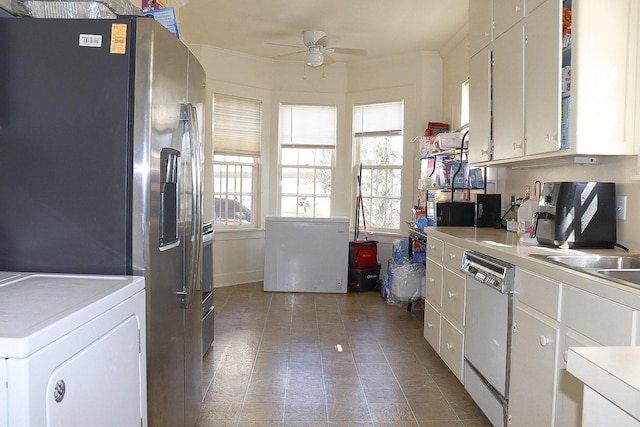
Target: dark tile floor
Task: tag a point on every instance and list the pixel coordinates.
(298, 359)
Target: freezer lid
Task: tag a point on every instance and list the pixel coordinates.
(37, 309)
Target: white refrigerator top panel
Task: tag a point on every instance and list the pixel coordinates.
(38, 309)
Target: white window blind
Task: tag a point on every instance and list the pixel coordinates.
(378, 119)
(236, 125)
(307, 126)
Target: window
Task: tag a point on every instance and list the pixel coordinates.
(307, 136)
(378, 136)
(464, 103)
(236, 155)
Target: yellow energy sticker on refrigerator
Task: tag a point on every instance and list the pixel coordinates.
(118, 38)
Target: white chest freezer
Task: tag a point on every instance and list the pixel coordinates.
(306, 254)
(72, 350)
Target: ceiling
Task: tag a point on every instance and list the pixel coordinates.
(382, 27)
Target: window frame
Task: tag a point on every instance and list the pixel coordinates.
(248, 155)
(315, 166)
(361, 168)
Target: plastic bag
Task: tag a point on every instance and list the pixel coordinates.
(408, 282)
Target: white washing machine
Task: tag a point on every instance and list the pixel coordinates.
(72, 350)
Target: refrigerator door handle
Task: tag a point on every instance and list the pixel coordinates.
(188, 114)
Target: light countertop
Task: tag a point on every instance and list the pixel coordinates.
(613, 372)
(508, 247)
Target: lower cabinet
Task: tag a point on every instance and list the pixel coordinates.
(445, 302)
(549, 318)
(533, 367)
(432, 326)
(452, 347)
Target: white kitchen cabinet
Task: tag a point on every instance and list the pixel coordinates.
(534, 350)
(453, 296)
(569, 401)
(508, 94)
(432, 320)
(551, 317)
(533, 366)
(543, 73)
(452, 348)
(527, 81)
(506, 13)
(445, 302)
(480, 106)
(480, 25)
(434, 283)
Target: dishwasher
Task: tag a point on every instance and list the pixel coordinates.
(488, 333)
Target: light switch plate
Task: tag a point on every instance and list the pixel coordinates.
(621, 207)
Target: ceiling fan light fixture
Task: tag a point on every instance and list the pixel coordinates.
(314, 58)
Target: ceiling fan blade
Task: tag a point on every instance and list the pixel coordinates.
(346, 50)
(322, 41)
(327, 59)
(297, 46)
(289, 54)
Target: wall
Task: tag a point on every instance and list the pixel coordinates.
(416, 78)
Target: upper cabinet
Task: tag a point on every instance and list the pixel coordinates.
(480, 106)
(480, 25)
(558, 80)
(505, 14)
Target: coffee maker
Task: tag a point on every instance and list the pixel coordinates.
(576, 215)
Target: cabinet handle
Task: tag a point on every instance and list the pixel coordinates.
(432, 246)
(449, 346)
(518, 9)
(432, 280)
(484, 152)
(565, 355)
(452, 256)
(544, 341)
(451, 294)
(517, 146)
(429, 325)
(551, 137)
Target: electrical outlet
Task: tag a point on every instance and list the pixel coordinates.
(621, 207)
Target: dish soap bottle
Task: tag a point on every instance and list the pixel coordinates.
(525, 213)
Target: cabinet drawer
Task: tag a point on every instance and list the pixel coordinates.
(453, 295)
(434, 248)
(432, 326)
(434, 283)
(451, 347)
(538, 292)
(604, 321)
(452, 256)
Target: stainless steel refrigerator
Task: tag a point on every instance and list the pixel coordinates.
(100, 172)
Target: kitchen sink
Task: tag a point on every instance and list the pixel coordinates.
(632, 276)
(608, 262)
(623, 269)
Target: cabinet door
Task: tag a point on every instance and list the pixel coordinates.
(508, 94)
(453, 296)
(480, 106)
(452, 347)
(480, 25)
(570, 389)
(533, 357)
(432, 326)
(542, 78)
(505, 14)
(434, 283)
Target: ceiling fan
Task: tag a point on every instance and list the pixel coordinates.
(316, 49)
